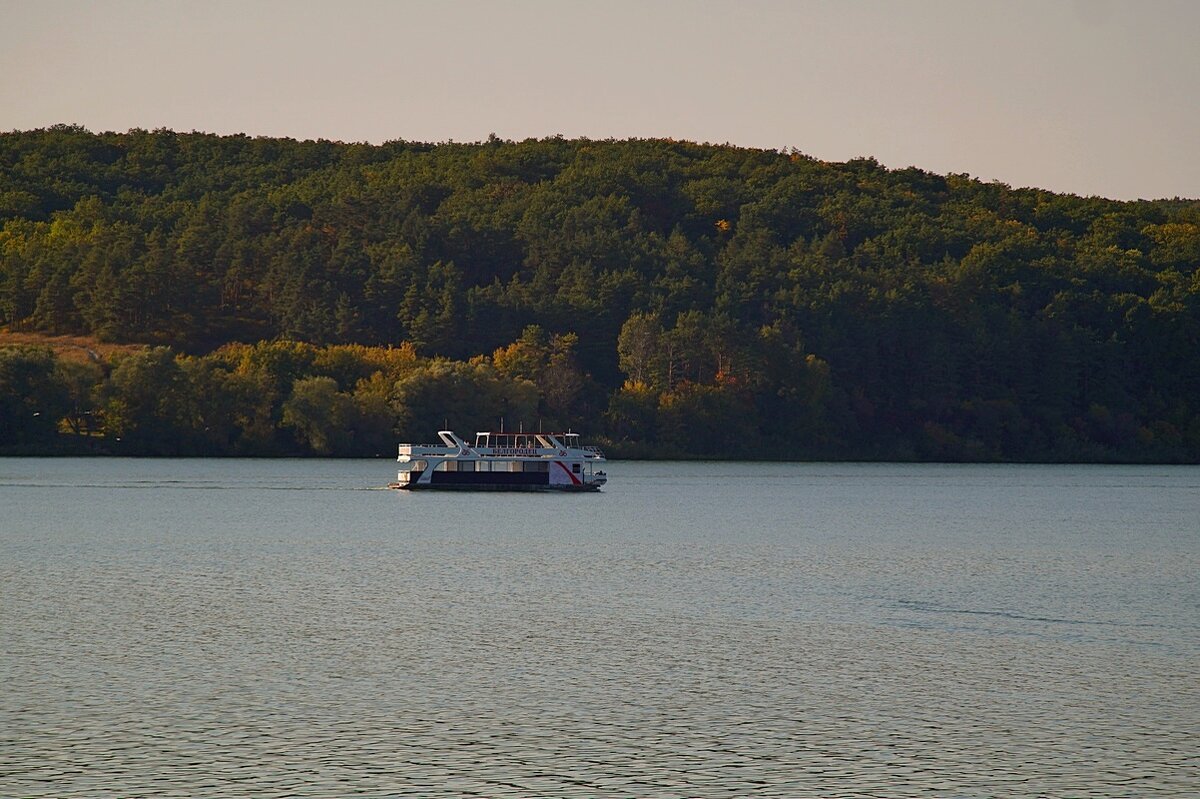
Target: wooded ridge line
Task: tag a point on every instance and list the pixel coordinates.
(666, 298)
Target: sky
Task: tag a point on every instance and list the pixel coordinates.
(1090, 97)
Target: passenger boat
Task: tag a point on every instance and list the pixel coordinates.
(502, 462)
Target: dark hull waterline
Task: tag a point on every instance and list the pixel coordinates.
(492, 487)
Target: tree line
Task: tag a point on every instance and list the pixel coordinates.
(668, 297)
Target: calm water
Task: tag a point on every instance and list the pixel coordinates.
(285, 628)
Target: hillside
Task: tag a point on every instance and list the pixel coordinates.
(78, 349)
(666, 296)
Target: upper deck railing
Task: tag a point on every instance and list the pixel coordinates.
(426, 449)
(503, 445)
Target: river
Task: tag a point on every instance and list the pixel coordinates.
(272, 628)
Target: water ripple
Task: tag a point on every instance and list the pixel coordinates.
(234, 644)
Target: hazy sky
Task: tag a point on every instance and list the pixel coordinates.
(1085, 96)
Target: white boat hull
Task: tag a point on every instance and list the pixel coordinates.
(501, 462)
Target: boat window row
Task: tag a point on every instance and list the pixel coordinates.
(492, 466)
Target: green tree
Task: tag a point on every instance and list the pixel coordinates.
(322, 417)
(640, 351)
(82, 381)
(144, 402)
(33, 396)
(467, 396)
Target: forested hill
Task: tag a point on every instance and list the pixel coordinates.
(664, 296)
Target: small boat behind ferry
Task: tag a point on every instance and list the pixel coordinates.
(502, 462)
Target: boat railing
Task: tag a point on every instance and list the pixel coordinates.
(426, 449)
(595, 450)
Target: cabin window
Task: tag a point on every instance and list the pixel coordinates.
(448, 466)
(536, 466)
(466, 466)
(483, 466)
(575, 468)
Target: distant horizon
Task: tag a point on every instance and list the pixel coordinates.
(1090, 98)
(484, 140)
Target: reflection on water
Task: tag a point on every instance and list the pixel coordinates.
(696, 630)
